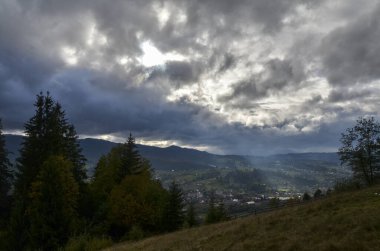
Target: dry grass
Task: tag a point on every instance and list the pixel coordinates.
(346, 221)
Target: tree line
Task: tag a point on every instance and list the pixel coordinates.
(49, 199)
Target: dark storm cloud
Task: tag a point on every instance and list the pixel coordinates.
(277, 75)
(222, 21)
(73, 49)
(228, 61)
(351, 53)
(179, 72)
(269, 14)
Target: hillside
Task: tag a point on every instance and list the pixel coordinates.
(345, 221)
(195, 169)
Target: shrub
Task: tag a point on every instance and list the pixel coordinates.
(136, 233)
(87, 243)
(347, 185)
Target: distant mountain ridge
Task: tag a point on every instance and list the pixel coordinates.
(177, 158)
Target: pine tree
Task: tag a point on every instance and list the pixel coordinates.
(47, 134)
(174, 215)
(215, 213)
(190, 216)
(5, 178)
(131, 159)
(221, 214)
(54, 198)
(211, 216)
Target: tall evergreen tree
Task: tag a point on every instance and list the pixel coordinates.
(174, 214)
(132, 162)
(54, 198)
(216, 212)
(191, 221)
(5, 177)
(47, 134)
(211, 216)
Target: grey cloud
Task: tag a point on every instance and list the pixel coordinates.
(178, 72)
(277, 75)
(101, 96)
(269, 13)
(228, 61)
(348, 95)
(351, 54)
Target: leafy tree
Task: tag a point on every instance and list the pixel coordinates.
(138, 201)
(318, 193)
(54, 197)
(5, 178)
(274, 202)
(174, 214)
(47, 134)
(361, 149)
(108, 174)
(306, 197)
(328, 192)
(127, 197)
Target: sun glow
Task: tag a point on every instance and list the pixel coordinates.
(153, 57)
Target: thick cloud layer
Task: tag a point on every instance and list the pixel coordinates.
(244, 76)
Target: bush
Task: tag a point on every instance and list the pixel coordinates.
(306, 197)
(3, 238)
(87, 243)
(318, 193)
(347, 185)
(136, 233)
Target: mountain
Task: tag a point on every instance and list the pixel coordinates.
(169, 158)
(178, 158)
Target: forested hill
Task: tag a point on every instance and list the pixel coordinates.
(172, 157)
(175, 157)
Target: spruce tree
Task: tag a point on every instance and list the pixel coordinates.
(5, 178)
(131, 159)
(174, 215)
(211, 216)
(221, 214)
(191, 221)
(47, 134)
(54, 198)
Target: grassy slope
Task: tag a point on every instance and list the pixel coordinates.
(346, 221)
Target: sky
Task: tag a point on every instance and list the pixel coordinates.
(251, 77)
